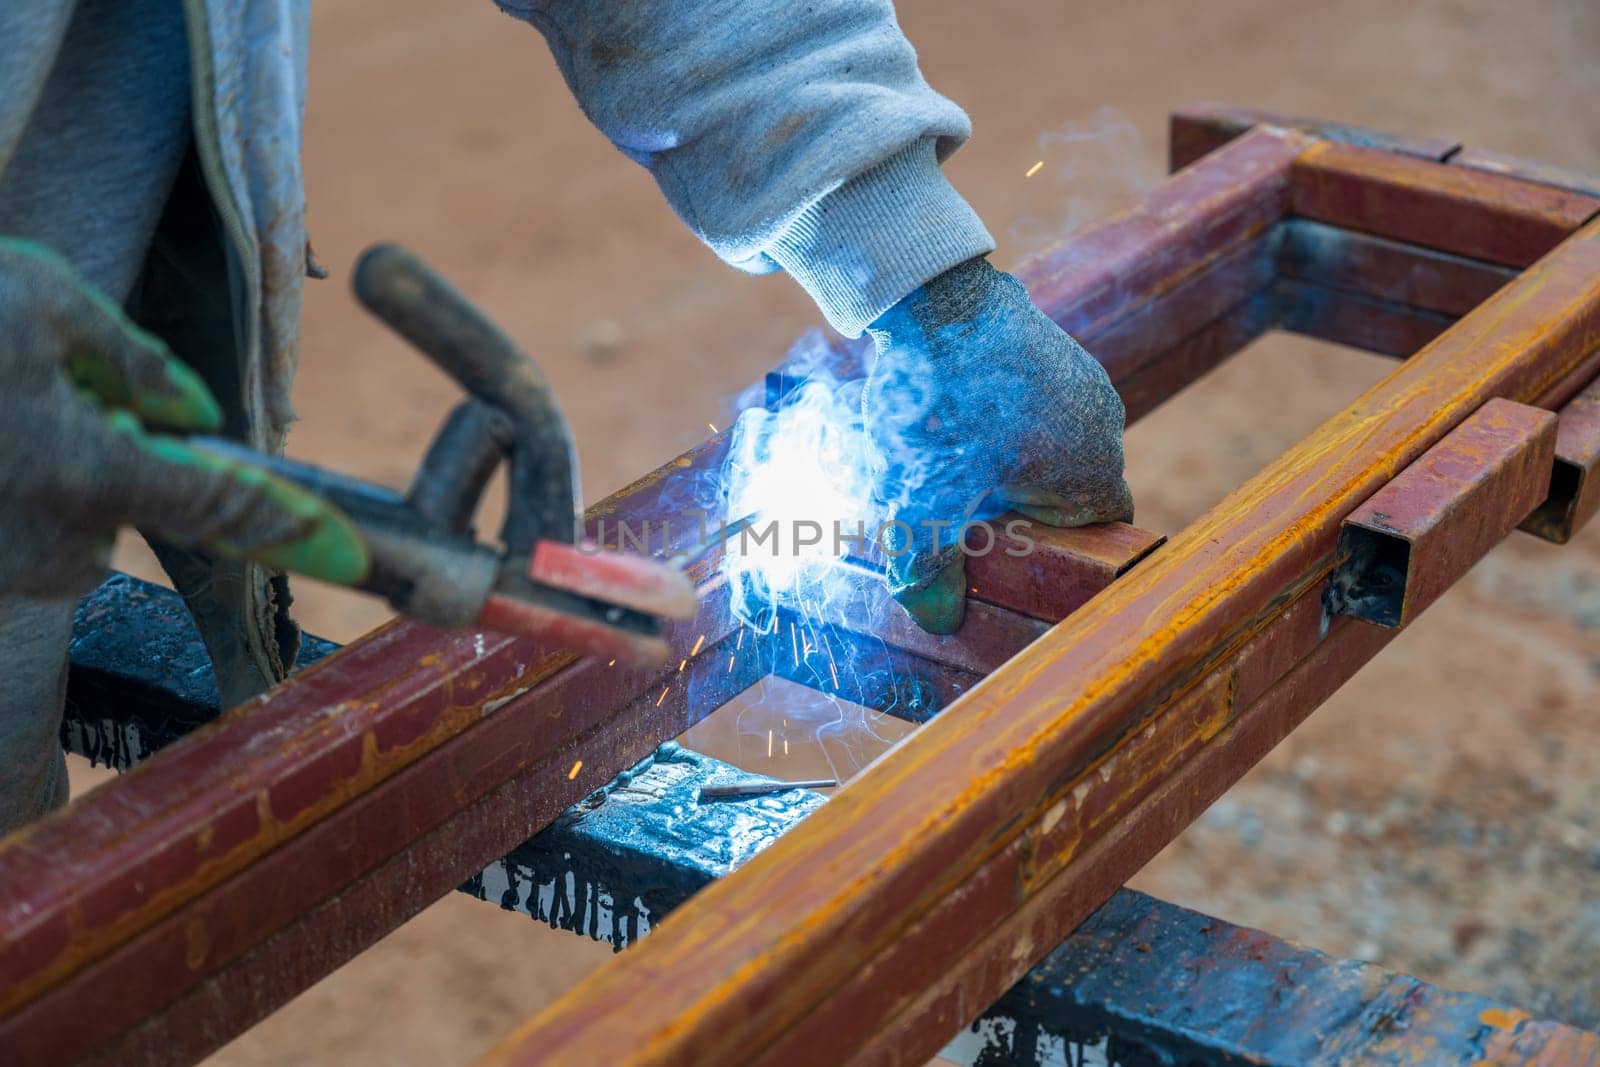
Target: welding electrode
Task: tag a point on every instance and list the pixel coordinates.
(761, 788)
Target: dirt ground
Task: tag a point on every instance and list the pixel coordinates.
(1439, 815)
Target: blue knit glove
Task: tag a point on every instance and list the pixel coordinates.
(976, 403)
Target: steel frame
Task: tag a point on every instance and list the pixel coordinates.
(209, 885)
(878, 927)
(1140, 980)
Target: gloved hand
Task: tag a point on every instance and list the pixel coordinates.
(80, 383)
(978, 402)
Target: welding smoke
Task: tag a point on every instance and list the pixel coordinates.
(1092, 168)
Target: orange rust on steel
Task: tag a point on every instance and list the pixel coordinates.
(1575, 488)
(1516, 1039)
(752, 960)
(1445, 511)
(1197, 129)
(88, 877)
(1467, 212)
(1105, 849)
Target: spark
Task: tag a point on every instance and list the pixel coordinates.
(785, 746)
(697, 643)
(794, 645)
(730, 664)
(737, 645)
(835, 672)
(769, 742)
(682, 663)
(713, 427)
(1035, 169)
(613, 663)
(576, 767)
(663, 695)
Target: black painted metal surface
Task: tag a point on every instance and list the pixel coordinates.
(140, 677)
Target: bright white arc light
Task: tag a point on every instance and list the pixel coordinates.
(801, 475)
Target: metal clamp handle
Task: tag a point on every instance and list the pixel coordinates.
(514, 414)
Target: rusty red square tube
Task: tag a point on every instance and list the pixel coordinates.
(1417, 535)
(1034, 583)
(1420, 278)
(1527, 170)
(1454, 209)
(1199, 128)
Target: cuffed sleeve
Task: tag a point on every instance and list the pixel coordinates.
(794, 136)
(860, 249)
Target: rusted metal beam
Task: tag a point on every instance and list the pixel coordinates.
(1140, 979)
(1470, 213)
(404, 843)
(1526, 170)
(1364, 322)
(1575, 486)
(1149, 330)
(1034, 582)
(1420, 278)
(78, 882)
(1154, 381)
(173, 969)
(206, 1014)
(1414, 538)
(1200, 128)
(772, 960)
(1373, 293)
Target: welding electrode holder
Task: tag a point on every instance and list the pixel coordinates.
(424, 558)
(511, 416)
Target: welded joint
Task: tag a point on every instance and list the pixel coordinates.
(1412, 539)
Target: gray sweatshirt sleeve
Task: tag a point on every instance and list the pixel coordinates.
(786, 135)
